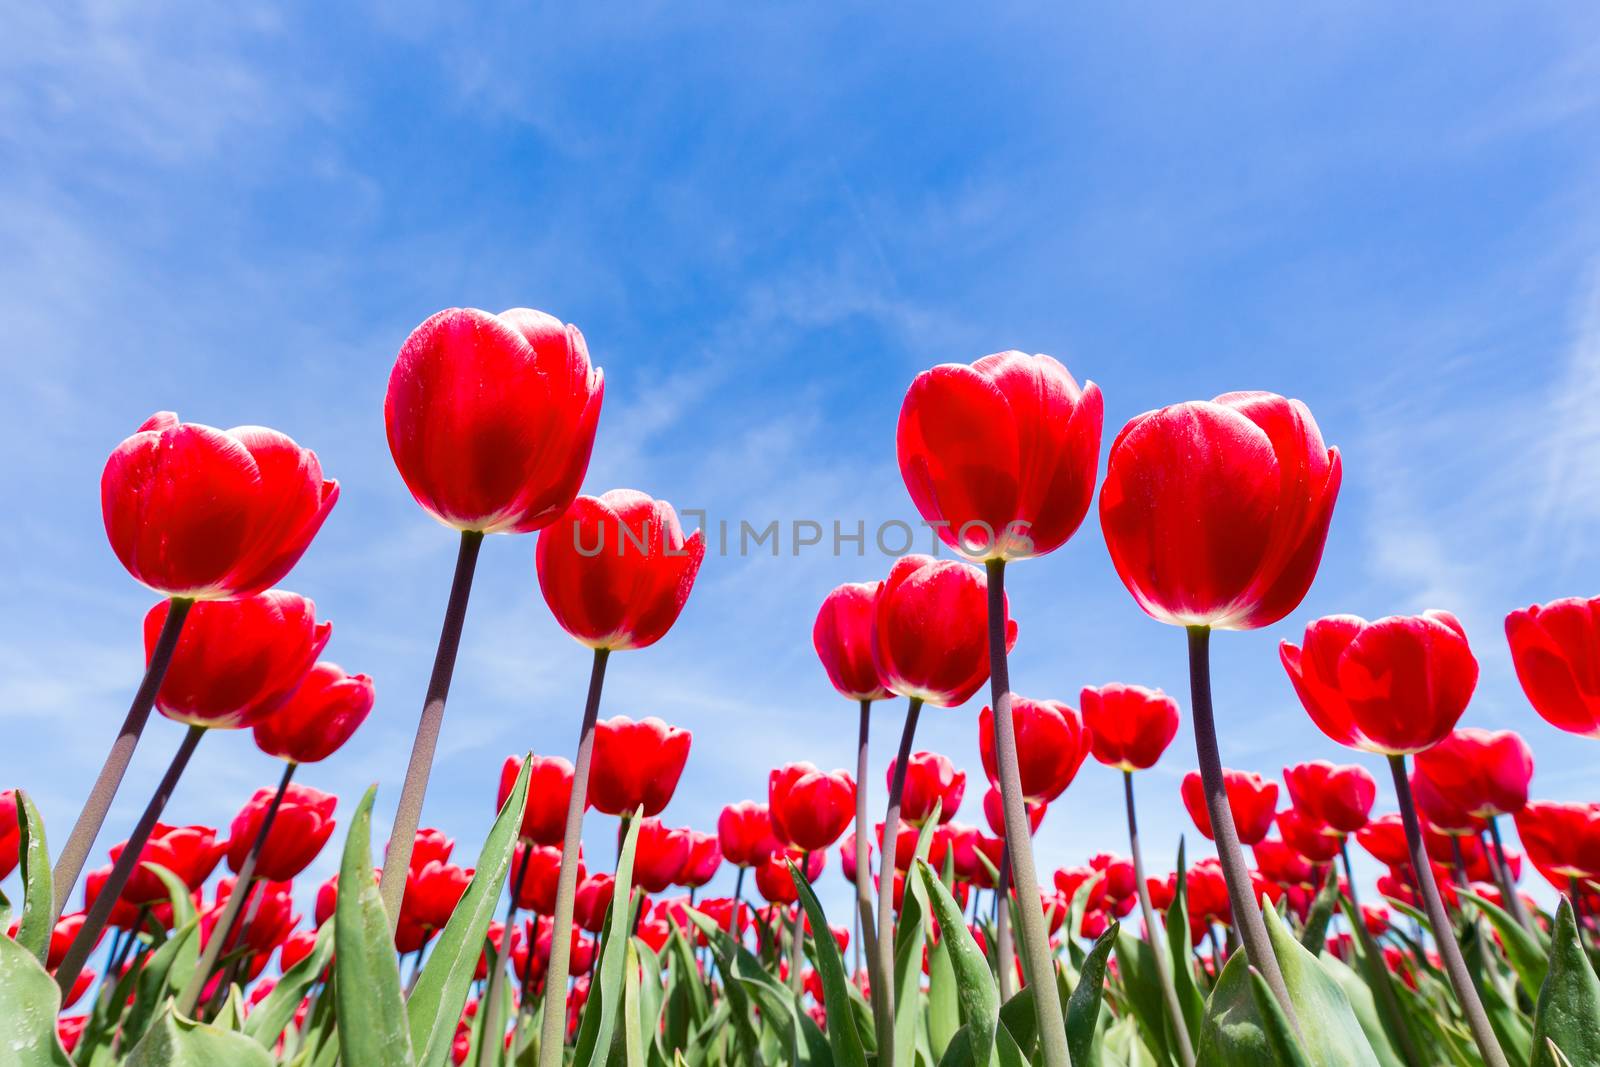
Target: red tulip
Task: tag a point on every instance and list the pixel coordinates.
(1563, 840)
(190, 852)
(994, 810)
(1252, 799)
(1215, 512)
(744, 833)
(327, 899)
(658, 855)
(10, 832)
(211, 514)
(593, 901)
(1280, 862)
(1336, 797)
(433, 889)
(1051, 745)
(302, 825)
(1482, 772)
(701, 864)
(842, 636)
(1129, 726)
(992, 850)
(636, 764)
(1119, 882)
(491, 418)
(1000, 456)
(930, 778)
(727, 913)
(430, 844)
(237, 661)
(847, 855)
(617, 570)
(544, 817)
(273, 905)
(296, 947)
(1441, 811)
(810, 808)
(962, 843)
(772, 876)
(1385, 839)
(319, 717)
(541, 871)
(930, 639)
(1393, 686)
(1306, 836)
(1206, 894)
(1556, 650)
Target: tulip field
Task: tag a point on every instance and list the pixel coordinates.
(963, 945)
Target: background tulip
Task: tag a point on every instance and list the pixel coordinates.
(302, 825)
(208, 514)
(772, 874)
(930, 639)
(1393, 686)
(1128, 726)
(842, 636)
(1481, 772)
(636, 764)
(540, 866)
(930, 779)
(10, 832)
(1215, 512)
(491, 418)
(1001, 456)
(593, 900)
(616, 570)
(319, 717)
(1252, 799)
(1338, 797)
(544, 815)
(744, 833)
(1556, 650)
(1051, 745)
(994, 815)
(1562, 839)
(810, 808)
(659, 855)
(1306, 836)
(701, 864)
(190, 852)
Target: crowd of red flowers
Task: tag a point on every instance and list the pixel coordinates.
(1214, 512)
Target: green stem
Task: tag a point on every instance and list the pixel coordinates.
(1169, 992)
(1030, 909)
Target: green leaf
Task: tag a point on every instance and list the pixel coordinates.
(38, 899)
(1017, 1019)
(725, 949)
(232, 1010)
(174, 1041)
(164, 971)
(1327, 1023)
(606, 986)
(1527, 956)
(372, 1016)
(29, 1001)
(1177, 945)
(1314, 937)
(651, 1000)
(435, 1004)
(843, 1038)
(1364, 1003)
(267, 1019)
(1281, 1038)
(632, 1032)
(977, 999)
(177, 892)
(1136, 966)
(1083, 1007)
(1568, 1011)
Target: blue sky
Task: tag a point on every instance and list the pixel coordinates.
(766, 222)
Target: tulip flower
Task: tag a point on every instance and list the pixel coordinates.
(549, 791)
(296, 947)
(319, 717)
(303, 824)
(772, 875)
(593, 900)
(744, 833)
(1128, 726)
(1556, 650)
(1280, 862)
(930, 779)
(491, 421)
(848, 857)
(994, 811)
(272, 918)
(1000, 456)
(195, 514)
(702, 862)
(1562, 840)
(10, 832)
(809, 808)
(659, 855)
(538, 870)
(1307, 837)
(1215, 514)
(928, 639)
(636, 765)
(1051, 745)
(1337, 797)
(190, 852)
(616, 572)
(1252, 800)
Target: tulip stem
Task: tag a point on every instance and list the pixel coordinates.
(488, 1052)
(95, 921)
(69, 865)
(1246, 908)
(1398, 1028)
(1169, 992)
(1502, 871)
(1030, 909)
(888, 850)
(1458, 866)
(1439, 919)
(236, 899)
(1005, 949)
(402, 835)
(552, 1028)
(865, 928)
